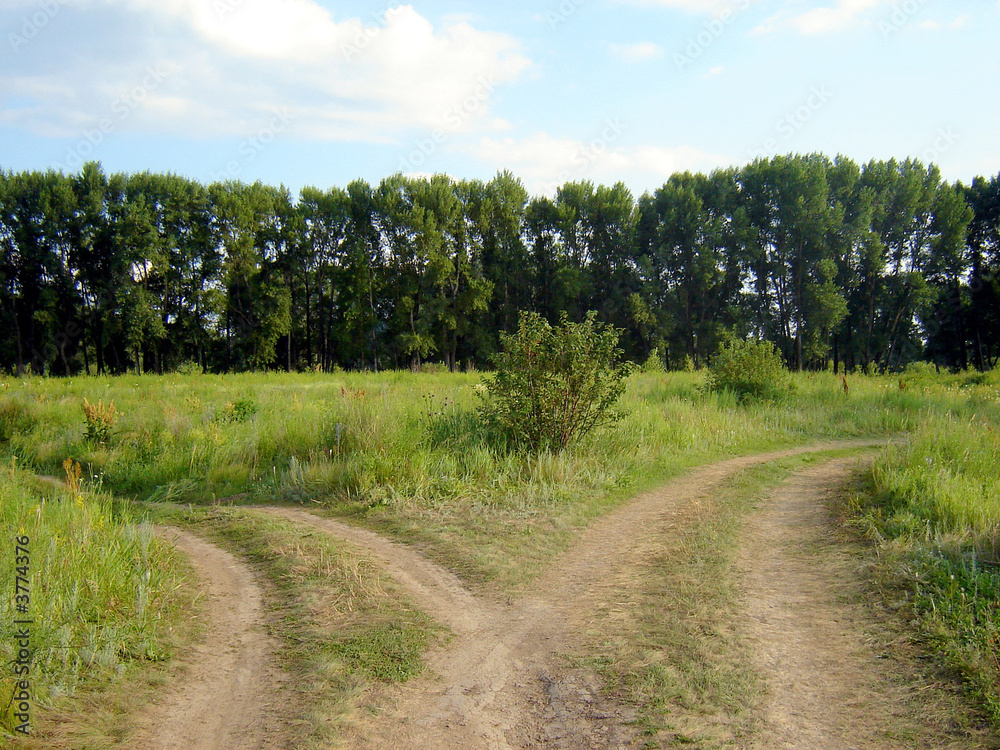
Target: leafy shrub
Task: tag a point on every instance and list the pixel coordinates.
(241, 409)
(654, 362)
(554, 384)
(751, 369)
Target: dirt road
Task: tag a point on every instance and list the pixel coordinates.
(503, 680)
(829, 683)
(228, 693)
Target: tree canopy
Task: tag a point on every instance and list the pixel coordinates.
(856, 266)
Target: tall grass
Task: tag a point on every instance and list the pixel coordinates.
(933, 506)
(407, 450)
(405, 453)
(103, 594)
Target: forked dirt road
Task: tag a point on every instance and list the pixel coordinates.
(503, 679)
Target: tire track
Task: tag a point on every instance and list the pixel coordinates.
(226, 696)
(812, 635)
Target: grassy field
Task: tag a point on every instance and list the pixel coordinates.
(403, 453)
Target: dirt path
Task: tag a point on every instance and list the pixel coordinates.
(229, 690)
(828, 685)
(502, 681)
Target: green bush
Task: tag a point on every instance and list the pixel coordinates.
(751, 369)
(654, 362)
(554, 384)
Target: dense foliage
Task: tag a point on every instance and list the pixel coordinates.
(554, 384)
(751, 370)
(865, 267)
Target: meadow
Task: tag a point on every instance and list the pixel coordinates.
(403, 453)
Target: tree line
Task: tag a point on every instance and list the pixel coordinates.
(852, 266)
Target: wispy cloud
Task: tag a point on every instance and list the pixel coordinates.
(546, 161)
(844, 14)
(699, 7)
(636, 53)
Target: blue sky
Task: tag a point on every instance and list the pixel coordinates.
(318, 92)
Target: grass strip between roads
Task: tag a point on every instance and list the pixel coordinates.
(344, 624)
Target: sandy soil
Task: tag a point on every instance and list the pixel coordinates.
(228, 692)
(829, 684)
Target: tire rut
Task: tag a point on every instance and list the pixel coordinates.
(227, 692)
(812, 636)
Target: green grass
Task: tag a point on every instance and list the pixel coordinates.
(679, 654)
(932, 505)
(404, 453)
(106, 601)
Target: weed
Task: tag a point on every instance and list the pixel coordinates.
(100, 419)
(106, 604)
(239, 410)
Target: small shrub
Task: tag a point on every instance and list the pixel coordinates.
(554, 384)
(240, 410)
(654, 362)
(101, 420)
(751, 369)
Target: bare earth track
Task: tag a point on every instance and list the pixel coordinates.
(228, 695)
(829, 687)
(503, 679)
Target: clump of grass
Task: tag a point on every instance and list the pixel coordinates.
(17, 417)
(105, 599)
(678, 654)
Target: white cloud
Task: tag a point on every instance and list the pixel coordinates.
(234, 63)
(545, 162)
(844, 14)
(717, 70)
(957, 23)
(636, 53)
